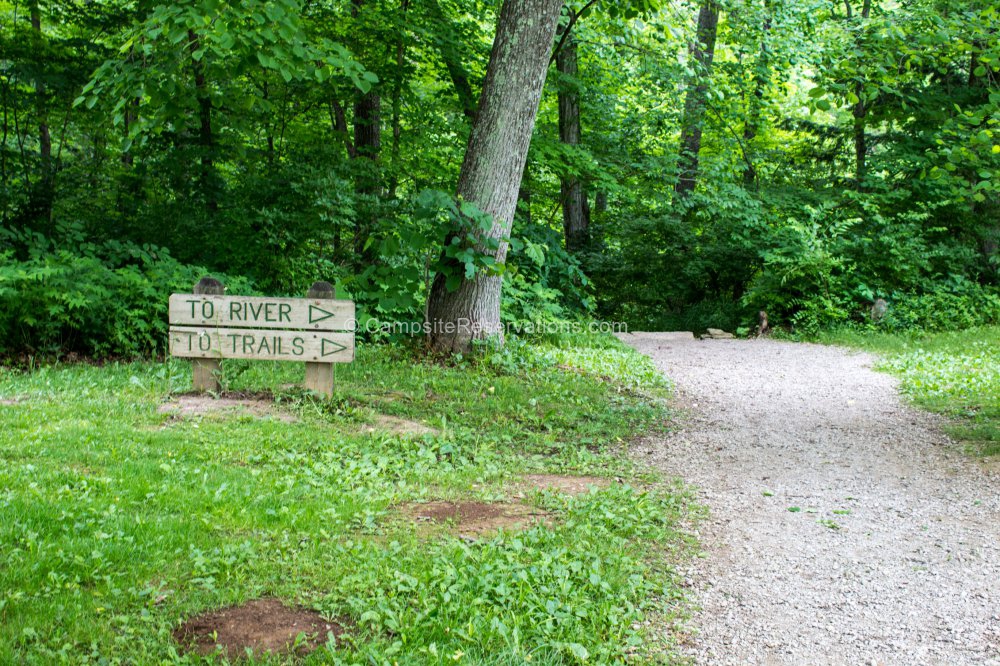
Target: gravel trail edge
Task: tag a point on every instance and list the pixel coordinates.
(844, 527)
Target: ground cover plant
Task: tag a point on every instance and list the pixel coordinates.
(956, 373)
(120, 518)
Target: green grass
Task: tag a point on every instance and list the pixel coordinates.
(117, 522)
(956, 373)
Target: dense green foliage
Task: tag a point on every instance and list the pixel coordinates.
(848, 151)
(956, 373)
(117, 520)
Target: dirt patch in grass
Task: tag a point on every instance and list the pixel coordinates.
(475, 519)
(9, 401)
(570, 485)
(262, 625)
(398, 426)
(201, 404)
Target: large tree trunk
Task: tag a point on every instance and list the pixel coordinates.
(576, 222)
(702, 55)
(494, 162)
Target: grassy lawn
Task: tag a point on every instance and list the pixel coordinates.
(957, 374)
(118, 521)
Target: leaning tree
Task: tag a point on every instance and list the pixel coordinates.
(458, 313)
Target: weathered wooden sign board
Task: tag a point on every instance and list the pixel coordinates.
(207, 326)
(262, 345)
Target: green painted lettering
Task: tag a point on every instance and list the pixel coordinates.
(207, 309)
(204, 343)
(264, 346)
(248, 344)
(298, 346)
(193, 303)
(255, 311)
(236, 311)
(284, 312)
(233, 337)
(269, 312)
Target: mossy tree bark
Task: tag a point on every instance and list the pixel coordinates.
(494, 162)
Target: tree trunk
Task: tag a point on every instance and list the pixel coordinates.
(367, 149)
(494, 162)
(338, 123)
(762, 75)
(574, 200)
(206, 139)
(44, 136)
(44, 193)
(601, 202)
(860, 121)
(702, 54)
(990, 244)
(453, 61)
(397, 103)
(368, 128)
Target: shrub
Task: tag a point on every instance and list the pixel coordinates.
(92, 299)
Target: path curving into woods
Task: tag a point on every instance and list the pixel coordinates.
(844, 527)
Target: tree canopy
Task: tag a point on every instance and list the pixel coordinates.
(691, 162)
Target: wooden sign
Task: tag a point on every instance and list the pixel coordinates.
(207, 326)
(323, 347)
(300, 314)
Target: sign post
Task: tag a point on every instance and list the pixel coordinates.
(207, 326)
(319, 376)
(205, 371)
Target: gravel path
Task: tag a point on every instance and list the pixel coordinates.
(844, 527)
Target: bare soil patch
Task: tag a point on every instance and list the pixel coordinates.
(262, 625)
(475, 519)
(199, 404)
(570, 485)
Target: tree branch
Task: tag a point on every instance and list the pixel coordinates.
(569, 28)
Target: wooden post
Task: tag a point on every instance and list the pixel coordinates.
(319, 376)
(205, 371)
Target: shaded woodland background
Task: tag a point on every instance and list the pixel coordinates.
(692, 162)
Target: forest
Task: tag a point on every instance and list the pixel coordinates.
(484, 475)
(689, 164)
